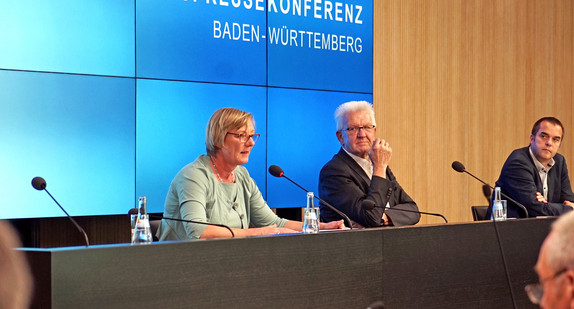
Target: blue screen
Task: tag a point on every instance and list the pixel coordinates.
(171, 122)
(301, 140)
(109, 99)
(89, 36)
(197, 41)
(77, 132)
(331, 48)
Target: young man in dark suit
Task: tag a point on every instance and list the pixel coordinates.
(536, 176)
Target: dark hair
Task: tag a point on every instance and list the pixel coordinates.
(552, 120)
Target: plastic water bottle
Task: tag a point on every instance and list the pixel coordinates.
(497, 207)
(311, 216)
(142, 232)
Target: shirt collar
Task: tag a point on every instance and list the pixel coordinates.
(365, 164)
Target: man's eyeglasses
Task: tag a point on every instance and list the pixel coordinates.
(535, 291)
(245, 137)
(355, 130)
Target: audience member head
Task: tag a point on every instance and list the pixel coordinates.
(15, 277)
(555, 267)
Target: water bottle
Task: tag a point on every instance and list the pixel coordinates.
(142, 232)
(311, 216)
(498, 213)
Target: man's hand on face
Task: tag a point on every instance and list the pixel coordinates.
(380, 155)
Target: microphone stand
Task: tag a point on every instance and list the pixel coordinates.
(368, 204)
(71, 219)
(459, 167)
(39, 184)
(322, 201)
(502, 193)
(419, 212)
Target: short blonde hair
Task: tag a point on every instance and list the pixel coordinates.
(221, 122)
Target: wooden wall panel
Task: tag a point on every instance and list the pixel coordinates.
(465, 80)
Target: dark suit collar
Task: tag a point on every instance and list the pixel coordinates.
(537, 182)
(526, 153)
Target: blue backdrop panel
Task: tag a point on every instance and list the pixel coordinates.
(171, 122)
(324, 47)
(199, 41)
(91, 36)
(75, 131)
(301, 140)
(70, 111)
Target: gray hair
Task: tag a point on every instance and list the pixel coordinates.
(561, 245)
(350, 107)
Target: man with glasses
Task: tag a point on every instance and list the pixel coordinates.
(555, 267)
(358, 180)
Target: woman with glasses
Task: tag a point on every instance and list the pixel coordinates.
(216, 188)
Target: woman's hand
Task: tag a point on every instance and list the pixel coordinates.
(272, 229)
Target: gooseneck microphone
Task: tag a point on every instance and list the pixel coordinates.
(368, 205)
(40, 184)
(276, 171)
(196, 222)
(459, 167)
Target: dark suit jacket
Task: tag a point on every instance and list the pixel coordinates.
(344, 184)
(520, 180)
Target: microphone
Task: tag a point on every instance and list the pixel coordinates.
(487, 193)
(278, 172)
(193, 221)
(368, 205)
(40, 184)
(459, 167)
